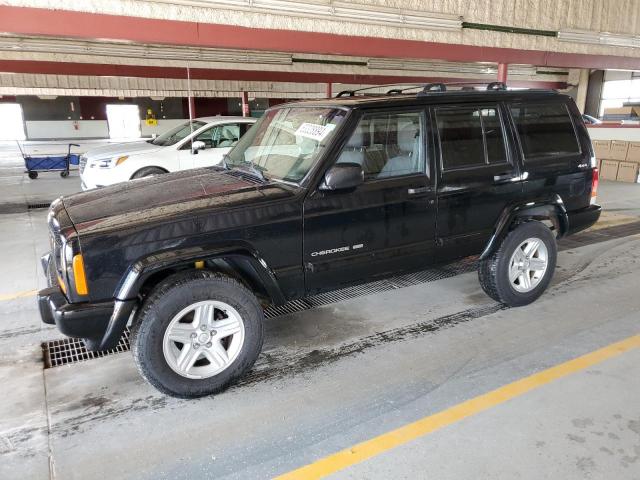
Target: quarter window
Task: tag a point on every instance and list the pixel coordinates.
(470, 137)
(545, 130)
(387, 145)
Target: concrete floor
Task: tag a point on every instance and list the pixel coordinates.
(343, 373)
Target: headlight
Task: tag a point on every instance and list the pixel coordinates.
(109, 162)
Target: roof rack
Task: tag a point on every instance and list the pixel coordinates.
(427, 88)
(352, 93)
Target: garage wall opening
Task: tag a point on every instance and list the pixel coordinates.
(124, 121)
(11, 122)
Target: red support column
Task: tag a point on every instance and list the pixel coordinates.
(329, 92)
(503, 69)
(192, 107)
(246, 112)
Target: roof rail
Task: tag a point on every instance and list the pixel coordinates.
(427, 88)
(352, 93)
(433, 87)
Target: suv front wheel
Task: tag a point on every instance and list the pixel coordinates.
(520, 270)
(196, 333)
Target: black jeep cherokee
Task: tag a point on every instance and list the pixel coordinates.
(316, 196)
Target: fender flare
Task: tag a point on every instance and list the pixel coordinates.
(250, 261)
(542, 209)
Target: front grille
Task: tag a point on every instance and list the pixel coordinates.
(83, 163)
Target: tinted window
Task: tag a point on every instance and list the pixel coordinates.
(387, 144)
(460, 134)
(470, 136)
(545, 130)
(494, 139)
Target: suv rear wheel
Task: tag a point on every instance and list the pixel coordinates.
(522, 267)
(196, 333)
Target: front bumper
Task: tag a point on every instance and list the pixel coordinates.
(100, 324)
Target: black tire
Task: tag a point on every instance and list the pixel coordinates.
(33, 175)
(64, 174)
(147, 172)
(493, 272)
(161, 306)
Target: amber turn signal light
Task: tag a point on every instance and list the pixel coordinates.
(79, 276)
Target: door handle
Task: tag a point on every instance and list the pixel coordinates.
(415, 191)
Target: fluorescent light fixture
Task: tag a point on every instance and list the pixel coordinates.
(449, 67)
(336, 10)
(599, 38)
(158, 52)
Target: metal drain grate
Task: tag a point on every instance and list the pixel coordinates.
(378, 286)
(36, 206)
(73, 350)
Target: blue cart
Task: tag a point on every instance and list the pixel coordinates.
(50, 163)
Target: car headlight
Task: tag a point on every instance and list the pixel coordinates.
(110, 162)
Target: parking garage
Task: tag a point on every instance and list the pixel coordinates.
(159, 236)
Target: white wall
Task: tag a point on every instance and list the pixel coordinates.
(47, 129)
(53, 129)
(629, 134)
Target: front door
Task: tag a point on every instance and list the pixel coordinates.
(385, 225)
(479, 177)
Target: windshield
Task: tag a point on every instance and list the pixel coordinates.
(176, 134)
(286, 142)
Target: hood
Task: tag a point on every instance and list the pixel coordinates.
(119, 149)
(162, 198)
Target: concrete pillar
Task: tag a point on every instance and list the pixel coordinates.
(583, 87)
(503, 70)
(329, 88)
(246, 112)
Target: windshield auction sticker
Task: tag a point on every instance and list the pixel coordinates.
(314, 131)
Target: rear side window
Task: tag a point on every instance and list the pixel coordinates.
(545, 130)
(470, 137)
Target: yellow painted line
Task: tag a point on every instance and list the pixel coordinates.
(395, 438)
(13, 296)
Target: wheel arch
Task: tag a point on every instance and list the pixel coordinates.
(145, 167)
(543, 210)
(241, 263)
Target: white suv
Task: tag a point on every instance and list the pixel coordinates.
(177, 149)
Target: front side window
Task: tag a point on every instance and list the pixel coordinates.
(545, 130)
(470, 137)
(286, 142)
(387, 145)
(177, 134)
(219, 136)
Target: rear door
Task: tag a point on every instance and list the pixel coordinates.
(479, 175)
(555, 163)
(385, 225)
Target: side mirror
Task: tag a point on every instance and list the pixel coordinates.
(197, 146)
(342, 176)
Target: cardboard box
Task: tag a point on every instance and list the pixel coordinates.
(628, 172)
(626, 111)
(609, 170)
(618, 150)
(633, 154)
(602, 148)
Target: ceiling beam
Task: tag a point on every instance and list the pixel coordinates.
(36, 21)
(101, 70)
